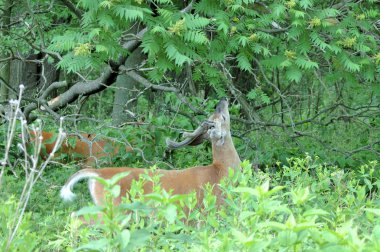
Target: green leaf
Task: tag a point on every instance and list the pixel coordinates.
(129, 12)
(376, 233)
(259, 245)
(115, 191)
(97, 245)
(315, 212)
(298, 14)
(278, 10)
(318, 41)
(243, 40)
(138, 239)
(245, 214)
(307, 64)
(287, 238)
(72, 141)
(116, 178)
(243, 62)
(173, 54)
(273, 225)
(197, 37)
(265, 186)
(155, 196)
(171, 213)
(89, 210)
(242, 238)
(252, 94)
(291, 222)
(136, 206)
(306, 4)
(195, 21)
(276, 61)
(373, 210)
(124, 239)
(245, 190)
(348, 63)
(275, 189)
(300, 195)
(293, 73)
(106, 21)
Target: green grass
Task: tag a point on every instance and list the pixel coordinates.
(302, 205)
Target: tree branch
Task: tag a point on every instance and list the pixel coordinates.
(107, 78)
(134, 75)
(73, 8)
(146, 83)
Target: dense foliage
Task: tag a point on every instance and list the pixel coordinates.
(302, 76)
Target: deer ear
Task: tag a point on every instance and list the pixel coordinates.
(200, 139)
(192, 139)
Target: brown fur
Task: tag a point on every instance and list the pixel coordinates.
(87, 147)
(177, 181)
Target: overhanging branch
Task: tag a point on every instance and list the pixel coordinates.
(134, 75)
(107, 78)
(73, 8)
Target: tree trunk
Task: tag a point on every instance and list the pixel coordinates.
(4, 74)
(5, 66)
(126, 89)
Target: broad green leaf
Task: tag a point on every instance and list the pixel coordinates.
(116, 178)
(293, 73)
(138, 239)
(287, 238)
(97, 245)
(315, 212)
(115, 191)
(124, 239)
(373, 210)
(171, 213)
(90, 210)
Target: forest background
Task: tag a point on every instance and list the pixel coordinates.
(302, 77)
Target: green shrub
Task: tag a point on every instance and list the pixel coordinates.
(302, 206)
(25, 239)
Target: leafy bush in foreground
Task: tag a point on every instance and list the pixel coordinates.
(299, 206)
(303, 206)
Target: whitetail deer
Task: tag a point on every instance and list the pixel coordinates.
(216, 128)
(84, 146)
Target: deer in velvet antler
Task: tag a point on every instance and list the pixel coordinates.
(216, 129)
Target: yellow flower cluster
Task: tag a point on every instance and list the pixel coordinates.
(314, 22)
(290, 54)
(360, 16)
(253, 37)
(82, 49)
(377, 58)
(178, 27)
(291, 4)
(348, 42)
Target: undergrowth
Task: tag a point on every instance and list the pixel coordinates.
(302, 205)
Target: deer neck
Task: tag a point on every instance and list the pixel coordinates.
(225, 156)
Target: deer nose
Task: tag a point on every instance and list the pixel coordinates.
(222, 104)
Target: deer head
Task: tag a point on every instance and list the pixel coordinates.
(216, 129)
